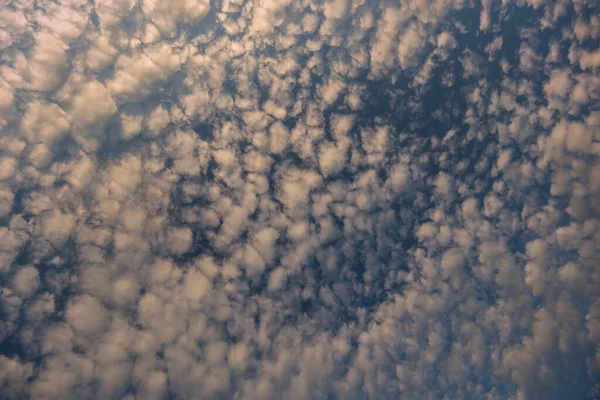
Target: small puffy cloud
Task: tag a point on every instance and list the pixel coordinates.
(14, 376)
(264, 242)
(131, 126)
(57, 226)
(332, 158)
(8, 166)
(86, 315)
(100, 54)
(195, 286)
(165, 18)
(179, 240)
(47, 64)
(579, 138)
(277, 279)
(136, 74)
(110, 13)
(26, 281)
(156, 120)
(125, 290)
(399, 178)
(91, 104)
(266, 15)
(44, 122)
(559, 83)
(6, 202)
(410, 43)
(451, 262)
(278, 138)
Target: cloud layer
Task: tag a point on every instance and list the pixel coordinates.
(299, 199)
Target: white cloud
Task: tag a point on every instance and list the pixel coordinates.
(131, 126)
(179, 240)
(46, 66)
(6, 202)
(196, 286)
(266, 15)
(27, 281)
(44, 122)
(332, 158)
(91, 106)
(14, 376)
(166, 17)
(382, 50)
(275, 199)
(57, 226)
(579, 138)
(136, 74)
(399, 178)
(110, 13)
(8, 166)
(86, 315)
(410, 42)
(125, 290)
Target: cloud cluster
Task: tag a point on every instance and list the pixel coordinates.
(299, 199)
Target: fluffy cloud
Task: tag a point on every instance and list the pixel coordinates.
(301, 200)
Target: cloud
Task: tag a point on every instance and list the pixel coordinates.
(57, 226)
(279, 199)
(14, 377)
(165, 18)
(8, 166)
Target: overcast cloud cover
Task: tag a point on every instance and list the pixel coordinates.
(299, 199)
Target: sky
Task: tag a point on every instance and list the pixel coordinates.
(299, 199)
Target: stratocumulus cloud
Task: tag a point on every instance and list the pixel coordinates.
(297, 199)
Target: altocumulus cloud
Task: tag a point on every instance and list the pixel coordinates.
(299, 199)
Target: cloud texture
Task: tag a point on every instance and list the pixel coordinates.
(275, 199)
